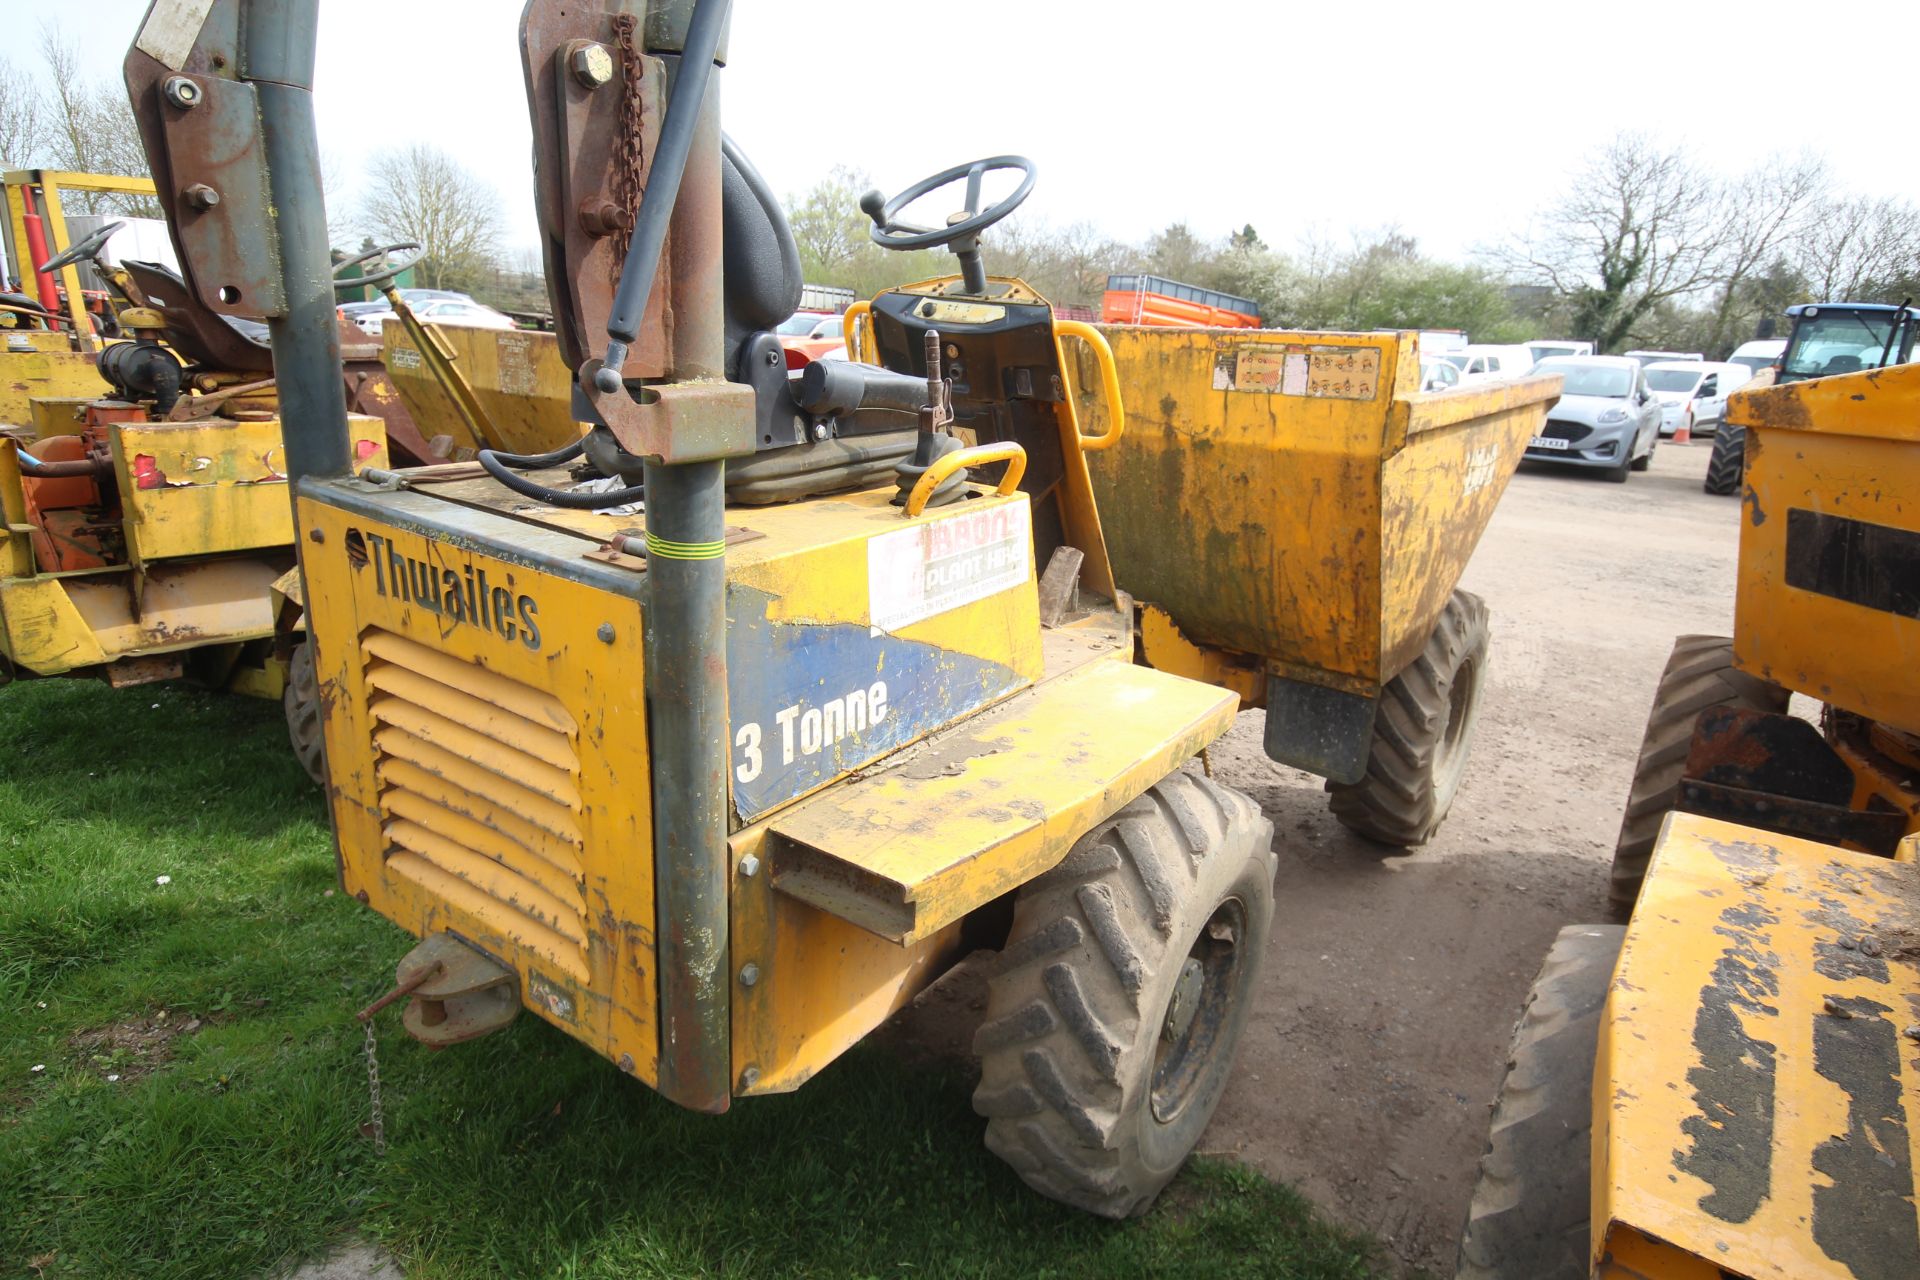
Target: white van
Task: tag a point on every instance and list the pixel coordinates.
(1480, 360)
(1758, 354)
(1648, 357)
(1541, 348)
(1694, 392)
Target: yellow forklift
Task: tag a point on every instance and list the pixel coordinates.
(1729, 1085)
(716, 765)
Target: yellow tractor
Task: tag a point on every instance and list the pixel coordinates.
(718, 754)
(1730, 1084)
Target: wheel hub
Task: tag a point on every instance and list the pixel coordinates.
(1197, 1014)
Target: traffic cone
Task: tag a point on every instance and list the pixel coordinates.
(1684, 433)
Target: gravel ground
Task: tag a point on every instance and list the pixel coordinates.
(1394, 979)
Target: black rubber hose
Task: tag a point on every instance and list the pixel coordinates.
(556, 497)
(702, 44)
(537, 461)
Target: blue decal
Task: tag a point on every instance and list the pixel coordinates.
(812, 700)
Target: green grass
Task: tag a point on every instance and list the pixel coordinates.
(520, 1155)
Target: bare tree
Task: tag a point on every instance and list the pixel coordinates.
(23, 118)
(422, 194)
(1859, 249)
(1639, 226)
(1766, 211)
(91, 129)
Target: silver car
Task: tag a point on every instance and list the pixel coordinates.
(1605, 416)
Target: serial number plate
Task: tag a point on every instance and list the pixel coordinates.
(1547, 442)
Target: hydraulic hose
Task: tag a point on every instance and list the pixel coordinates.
(704, 32)
(555, 497)
(537, 461)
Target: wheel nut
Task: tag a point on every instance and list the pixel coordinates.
(201, 196)
(590, 63)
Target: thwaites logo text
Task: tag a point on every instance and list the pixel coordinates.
(458, 595)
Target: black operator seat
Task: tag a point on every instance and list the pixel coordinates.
(761, 260)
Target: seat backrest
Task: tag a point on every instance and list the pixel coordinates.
(762, 261)
(202, 336)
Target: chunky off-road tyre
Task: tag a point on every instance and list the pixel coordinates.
(1724, 463)
(301, 702)
(1528, 1219)
(1114, 1011)
(1422, 732)
(1700, 674)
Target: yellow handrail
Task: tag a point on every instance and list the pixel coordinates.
(850, 330)
(1109, 382)
(978, 456)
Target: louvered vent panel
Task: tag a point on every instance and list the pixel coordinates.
(480, 794)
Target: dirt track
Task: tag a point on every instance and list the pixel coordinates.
(1393, 980)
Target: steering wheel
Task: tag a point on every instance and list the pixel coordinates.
(890, 233)
(378, 277)
(85, 248)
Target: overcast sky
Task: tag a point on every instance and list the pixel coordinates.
(1452, 122)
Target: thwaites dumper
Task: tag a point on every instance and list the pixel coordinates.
(1298, 514)
(715, 786)
(1730, 1084)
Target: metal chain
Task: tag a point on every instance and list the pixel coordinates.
(630, 171)
(379, 1122)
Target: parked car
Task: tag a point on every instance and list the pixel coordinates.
(1541, 348)
(1694, 392)
(1437, 374)
(1605, 416)
(1761, 353)
(455, 310)
(810, 336)
(1478, 360)
(1648, 357)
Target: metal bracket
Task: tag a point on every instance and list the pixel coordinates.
(219, 198)
(676, 421)
(462, 996)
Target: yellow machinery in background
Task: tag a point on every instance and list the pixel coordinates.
(1298, 514)
(143, 483)
(49, 350)
(1730, 1084)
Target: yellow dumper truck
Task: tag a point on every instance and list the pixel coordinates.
(1730, 1084)
(719, 758)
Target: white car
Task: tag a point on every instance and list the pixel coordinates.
(1694, 392)
(452, 311)
(1479, 360)
(1436, 374)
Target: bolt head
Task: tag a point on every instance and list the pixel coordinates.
(316, 535)
(182, 92)
(749, 866)
(201, 196)
(749, 974)
(749, 1077)
(626, 1063)
(605, 633)
(590, 63)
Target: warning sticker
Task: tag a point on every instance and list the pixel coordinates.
(1343, 373)
(943, 563)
